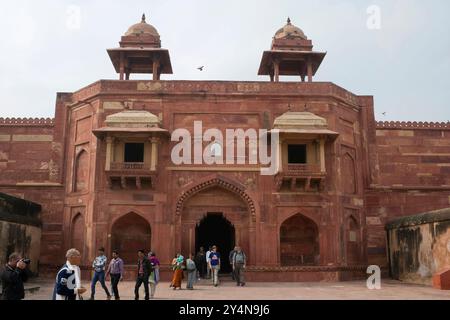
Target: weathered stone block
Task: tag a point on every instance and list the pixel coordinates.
(441, 280)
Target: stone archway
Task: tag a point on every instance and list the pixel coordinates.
(219, 182)
(299, 241)
(218, 197)
(130, 233)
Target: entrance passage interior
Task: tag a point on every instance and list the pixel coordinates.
(216, 230)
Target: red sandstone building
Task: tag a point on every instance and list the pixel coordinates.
(102, 169)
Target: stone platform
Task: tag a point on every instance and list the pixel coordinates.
(354, 290)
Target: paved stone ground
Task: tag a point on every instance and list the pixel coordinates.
(354, 290)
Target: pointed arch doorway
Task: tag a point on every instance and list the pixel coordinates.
(215, 229)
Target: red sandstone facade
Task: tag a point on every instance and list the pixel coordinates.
(316, 221)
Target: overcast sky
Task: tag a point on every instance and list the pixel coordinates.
(405, 63)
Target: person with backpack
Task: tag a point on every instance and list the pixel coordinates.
(239, 264)
(68, 280)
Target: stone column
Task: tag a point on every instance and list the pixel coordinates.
(156, 69)
(276, 66)
(122, 66)
(309, 70)
(154, 154)
(109, 150)
(322, 155)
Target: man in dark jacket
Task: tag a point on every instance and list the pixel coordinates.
(143, 273)
(13, 277)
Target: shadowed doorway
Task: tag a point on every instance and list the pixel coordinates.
(215, 229)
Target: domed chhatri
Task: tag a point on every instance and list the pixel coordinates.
(290, 31)
(291, 54)
(142, 28)
(140, 52)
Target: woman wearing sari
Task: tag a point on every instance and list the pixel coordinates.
(177, 267)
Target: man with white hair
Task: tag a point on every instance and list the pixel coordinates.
(68, 280)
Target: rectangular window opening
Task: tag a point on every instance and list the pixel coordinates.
(134, 152)
(297, 154)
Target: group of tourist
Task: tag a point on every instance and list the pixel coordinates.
(68, 279)
(207, 265)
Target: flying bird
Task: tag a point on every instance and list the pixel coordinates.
(384, 113)
(201, 68)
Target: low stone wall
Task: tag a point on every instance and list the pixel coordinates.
(419, 246)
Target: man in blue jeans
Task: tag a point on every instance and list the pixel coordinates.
(99, 265)
(214, 265)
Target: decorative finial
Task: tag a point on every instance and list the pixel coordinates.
(305, 107)
(143, 18)
(289, 107)
(289, 20)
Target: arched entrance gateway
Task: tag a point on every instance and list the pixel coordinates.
(216, 213)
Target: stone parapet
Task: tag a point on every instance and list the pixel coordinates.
(27, 122)
(412, 125)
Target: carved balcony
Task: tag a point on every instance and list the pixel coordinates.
(129, 166)
(131, 175)
(302, 170)
(300, 178)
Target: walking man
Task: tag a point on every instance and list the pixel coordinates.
(115, 271)
(144, 271)
(68, 280)
(214, 265)
(239, 263)
(99, 266)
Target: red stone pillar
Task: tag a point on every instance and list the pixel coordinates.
(156, 69)
(276, 66)
(122, 65)
(310, 70)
